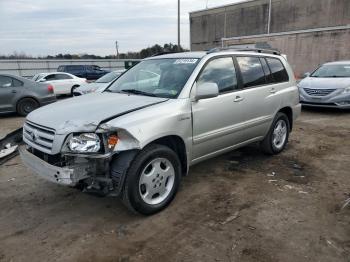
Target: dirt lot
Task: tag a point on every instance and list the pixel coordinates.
(230, 208)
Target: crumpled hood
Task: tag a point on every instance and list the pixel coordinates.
(327, 83)
(85, 113)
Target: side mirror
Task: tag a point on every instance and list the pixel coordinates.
(206, 90)
(307, 74)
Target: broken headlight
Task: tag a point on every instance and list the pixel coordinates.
(85, 143)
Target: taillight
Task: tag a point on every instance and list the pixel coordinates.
(50, 88)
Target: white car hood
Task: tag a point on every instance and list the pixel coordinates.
(85, 113)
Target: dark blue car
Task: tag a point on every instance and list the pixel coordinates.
(90, 72)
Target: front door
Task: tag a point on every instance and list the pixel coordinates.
(215, 119)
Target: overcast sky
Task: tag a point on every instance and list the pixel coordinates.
(48, 27)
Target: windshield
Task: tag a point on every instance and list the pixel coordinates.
(108, 77)
(37, 77)
(333, 71)
(156, 77)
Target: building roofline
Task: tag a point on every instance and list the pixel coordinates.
(222, 6)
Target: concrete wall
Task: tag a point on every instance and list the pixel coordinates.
(305, 51)
(250, 18)
(30, 67)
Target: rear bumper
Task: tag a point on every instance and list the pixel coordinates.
(63, 176)
(296, 111)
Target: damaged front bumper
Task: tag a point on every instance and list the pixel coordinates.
(69, 175)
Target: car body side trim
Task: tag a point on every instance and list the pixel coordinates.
(230, 129)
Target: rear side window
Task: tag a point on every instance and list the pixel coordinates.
(63, 77)
(75, 68)
(16, 83)
(51, 77)
(60, 69)
(222, 72)
(278, 71)
(5, 81)
(251, 70)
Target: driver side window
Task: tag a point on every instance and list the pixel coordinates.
(222, 72)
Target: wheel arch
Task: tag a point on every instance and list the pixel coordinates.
(289, 113)
(25, 97)
(177, 144)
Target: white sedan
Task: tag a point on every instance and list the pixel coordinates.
(63, 83)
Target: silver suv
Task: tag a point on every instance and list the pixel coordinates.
(139, 137)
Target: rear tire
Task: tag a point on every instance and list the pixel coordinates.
(26, 105)
(152, 180)
(277, 137)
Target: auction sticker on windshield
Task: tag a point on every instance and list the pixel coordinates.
(185, 61)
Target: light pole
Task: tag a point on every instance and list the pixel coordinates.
(117, 48)
(178, 25)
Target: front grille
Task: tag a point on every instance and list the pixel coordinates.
(315, 103)
(318, 92)
(39, 136)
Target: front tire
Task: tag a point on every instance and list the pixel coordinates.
(72, 90)
(152, 180)
(277, 137)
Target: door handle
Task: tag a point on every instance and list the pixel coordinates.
(273, 90)
(238, 99)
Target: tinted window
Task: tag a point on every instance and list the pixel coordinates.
(60, 69)
(74, 68)
(279, 73)
(222, 72)
(62, 76)
(16, 83)
(268, 75)
(5, 81)
(50, 77)
(252, 72)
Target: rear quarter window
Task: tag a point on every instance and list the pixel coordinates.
(279, 73)
(16, 83)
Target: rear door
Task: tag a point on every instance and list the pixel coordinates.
(65, 83)
(260, 96)
(10, 90)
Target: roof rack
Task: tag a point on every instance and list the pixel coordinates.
(258, 50)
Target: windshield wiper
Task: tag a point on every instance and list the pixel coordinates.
(137, 92)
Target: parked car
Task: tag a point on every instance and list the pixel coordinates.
(99, 85)
(327, 86)
(18, 94)
(138, 138)
(90, 72)
(63, 83)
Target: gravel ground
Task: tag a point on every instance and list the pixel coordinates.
(241, 206)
